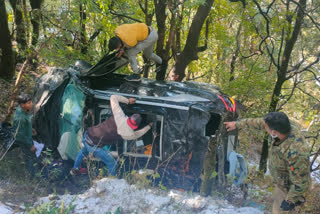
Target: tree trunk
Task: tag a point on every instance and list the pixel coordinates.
(83, 39)
(264, 154)
(235, 54)
(214, 177)
(177, 46)
(20, 26)
(6, 53)
(190, 51)
(209, 168)
(160, 10)
(281, 75)
(148, 20)
(35, 19)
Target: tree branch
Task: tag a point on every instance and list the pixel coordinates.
(314, 159)
(305, 13)
(120, 15)
(266, 18)
(310, 95)
(143, 9)
(57, 25)
(264, 39)
(123, 15)
(94, 35)
(32, 55)
(203, 48)
(290, 96)
(194, 78)
(316, 77)
(305, 68)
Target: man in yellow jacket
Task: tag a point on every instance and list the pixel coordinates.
(132, 39)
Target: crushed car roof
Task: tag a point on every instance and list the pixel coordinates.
(102, 81)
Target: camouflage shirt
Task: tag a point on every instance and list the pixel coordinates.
(288, 160)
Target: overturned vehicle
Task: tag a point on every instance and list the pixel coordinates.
(186, 117)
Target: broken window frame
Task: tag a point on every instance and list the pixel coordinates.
(153, 153)
(159, 118)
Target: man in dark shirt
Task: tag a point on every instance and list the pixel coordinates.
(117, 127)
(23, 131)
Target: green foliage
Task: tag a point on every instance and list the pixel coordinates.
(50, 208)
(141, 180)
(8, 167)
(162, 186)
(312, 205)
(118, 211)
(194, 4)
(214, 174)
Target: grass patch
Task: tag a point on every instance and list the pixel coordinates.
(52, 208)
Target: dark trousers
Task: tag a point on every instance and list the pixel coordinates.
(29, 157)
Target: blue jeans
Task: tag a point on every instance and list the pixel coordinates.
(100, 153)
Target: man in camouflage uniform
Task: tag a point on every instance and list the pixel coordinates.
(288, 160)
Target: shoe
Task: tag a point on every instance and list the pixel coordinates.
(73, 172)
(80, 171)
(133, 78)
(83, 171)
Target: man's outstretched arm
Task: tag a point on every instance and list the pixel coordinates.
(142, 131)
(256, 123)
(115, 106)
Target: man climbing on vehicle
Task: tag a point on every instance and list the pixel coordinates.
(117, 127)
(131, 39)
(288, 160)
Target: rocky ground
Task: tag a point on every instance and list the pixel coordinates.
(111, 195)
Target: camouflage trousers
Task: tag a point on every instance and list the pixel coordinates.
(278, 196)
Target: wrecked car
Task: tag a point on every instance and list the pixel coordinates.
(185, 116)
